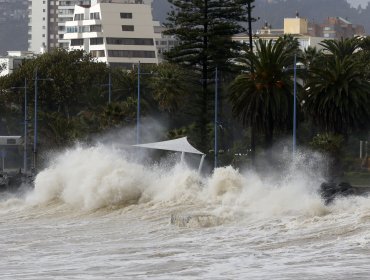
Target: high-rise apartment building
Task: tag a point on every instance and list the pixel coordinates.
(117, 32)
(46, 23)
(65, 13)
(47, 18)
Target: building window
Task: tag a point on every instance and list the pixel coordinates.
(66, 12)
(130, 41)
(98, 53)
(63, 45)
(71, 29)
(126, 15)
(66, 3)
(64, 19)
(127, 28)
(131, 53)
(84, 28)
(128, 66)
(95, 28)
(94, 16)
(79, 17)
(77, 42)
(96, 41)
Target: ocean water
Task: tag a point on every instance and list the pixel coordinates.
(95, 213)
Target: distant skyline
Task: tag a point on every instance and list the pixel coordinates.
(355, 3)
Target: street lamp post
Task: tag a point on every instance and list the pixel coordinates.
(253, 132)
(216, 118)
(138, 106)
(25, 125)
(25, 128)
(110, 88)
(295, 105)
(138, 110)
(109, 85)
(35, 118)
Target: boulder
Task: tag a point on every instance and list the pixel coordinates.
(330, 190)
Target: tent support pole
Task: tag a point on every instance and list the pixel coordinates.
(201, 163)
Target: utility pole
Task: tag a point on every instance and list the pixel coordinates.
(250, 33)
(109, 85)
(138, 106)
(25, 128)
(295, 106)
(35, 118)
(35, 124)
(138, 112)
(25, 125)
(110, 88)
(216, 118)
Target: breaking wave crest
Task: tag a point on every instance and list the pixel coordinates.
(97, 177)
(91, 178)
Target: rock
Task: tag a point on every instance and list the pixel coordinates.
(330, 190)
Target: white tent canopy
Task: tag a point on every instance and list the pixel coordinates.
(177, 145)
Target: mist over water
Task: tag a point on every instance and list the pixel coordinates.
(103, 212)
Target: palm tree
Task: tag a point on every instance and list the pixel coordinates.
(338, 95)
(343, 47)
(169, 84)
(311, 56)
(262, 98)
(126, 82)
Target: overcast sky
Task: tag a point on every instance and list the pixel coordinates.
(355, 3)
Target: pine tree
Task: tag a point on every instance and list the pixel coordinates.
(204, 29)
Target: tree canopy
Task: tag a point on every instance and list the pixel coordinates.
(263, 98)
(204, 29)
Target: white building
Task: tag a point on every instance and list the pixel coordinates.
(13, 60)
(65, 13)
(297, 27)
(46, 19)
(38, 24)
(117, 32)
(163, 42)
